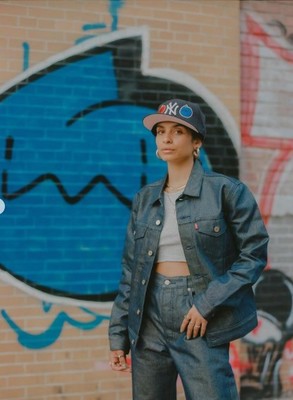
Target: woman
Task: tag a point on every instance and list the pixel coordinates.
(194, 247)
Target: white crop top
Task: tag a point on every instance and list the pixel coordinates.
(170, 246)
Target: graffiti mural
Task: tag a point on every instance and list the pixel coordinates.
(265, 346)
(267, 123)
(74, 152)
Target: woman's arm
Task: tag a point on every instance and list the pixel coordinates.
(251, 240)
(118, 327)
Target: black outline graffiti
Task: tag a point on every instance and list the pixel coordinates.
(53, 178)
(283, 29)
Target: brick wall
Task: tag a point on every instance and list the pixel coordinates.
(77, 77)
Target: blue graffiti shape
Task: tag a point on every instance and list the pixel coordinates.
(26, 55)
(74, 153)
(88, 27)
(69, 177)
(114, 6)
(51, 335)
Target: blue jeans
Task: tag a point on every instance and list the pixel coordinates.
(162, 352)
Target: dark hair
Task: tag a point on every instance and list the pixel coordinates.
(195, 135)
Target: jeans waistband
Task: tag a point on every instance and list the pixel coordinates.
(172, 281)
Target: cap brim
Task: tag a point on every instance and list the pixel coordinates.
(151, 120)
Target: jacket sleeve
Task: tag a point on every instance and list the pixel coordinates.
(118, 327)
(251, 240)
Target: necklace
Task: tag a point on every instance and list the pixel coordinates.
(175, 187)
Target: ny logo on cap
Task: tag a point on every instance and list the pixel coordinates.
(172, 108)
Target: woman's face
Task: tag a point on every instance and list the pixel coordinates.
(175, 142)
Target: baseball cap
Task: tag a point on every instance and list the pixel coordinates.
(181, 111)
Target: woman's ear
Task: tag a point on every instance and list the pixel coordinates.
(197, 143)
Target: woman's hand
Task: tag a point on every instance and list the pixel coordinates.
(118, 361)
(193, 323)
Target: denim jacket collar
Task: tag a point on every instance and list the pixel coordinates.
(194, 183)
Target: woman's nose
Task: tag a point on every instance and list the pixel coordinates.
(168, 138)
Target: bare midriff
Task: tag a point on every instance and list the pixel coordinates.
(172, 268)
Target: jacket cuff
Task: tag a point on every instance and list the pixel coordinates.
(119, 343)
(204, 308)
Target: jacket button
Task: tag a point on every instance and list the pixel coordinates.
(150, 253)
(216, 229)
(138, 311)
(132, 341)
(158, 222)
(143, 282)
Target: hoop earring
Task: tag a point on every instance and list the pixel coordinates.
(157, 154)
(196, 152)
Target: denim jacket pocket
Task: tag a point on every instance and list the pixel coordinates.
(139, 231)
(212, 236)
(139, 238)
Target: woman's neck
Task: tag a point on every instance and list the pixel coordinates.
(178, 175)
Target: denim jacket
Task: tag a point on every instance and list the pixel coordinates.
(225, 244)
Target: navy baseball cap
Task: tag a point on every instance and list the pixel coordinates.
(181, 111)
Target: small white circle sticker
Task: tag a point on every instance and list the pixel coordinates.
(2, 206)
